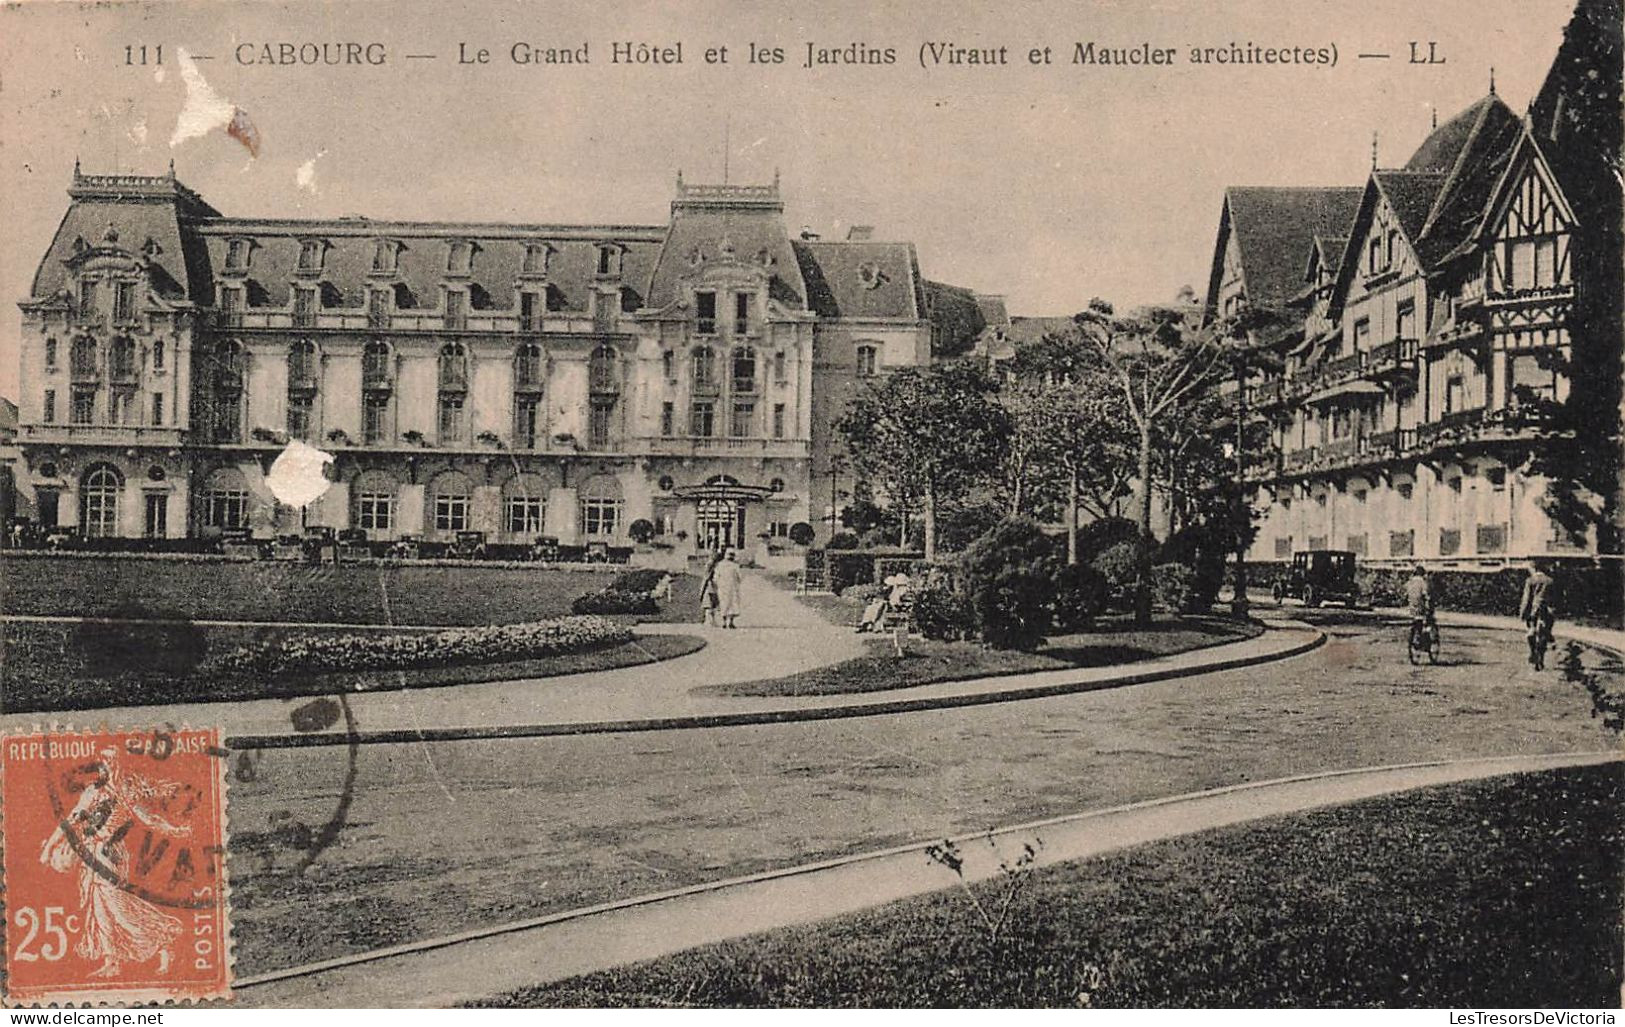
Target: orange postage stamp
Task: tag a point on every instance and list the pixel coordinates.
(115, 874)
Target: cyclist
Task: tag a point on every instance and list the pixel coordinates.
(1535, 610)
(1419, 600)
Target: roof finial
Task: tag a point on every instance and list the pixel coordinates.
(1373, 149)
(679, 179)
(172, 169)
(1435, 115)
(76, 165)
(1492, 80)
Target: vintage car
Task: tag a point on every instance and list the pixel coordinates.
(469, 545)
(1318, 576)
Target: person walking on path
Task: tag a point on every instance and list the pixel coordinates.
(727, 577)
(1419, 601)
(1535, 610)
(708, 593)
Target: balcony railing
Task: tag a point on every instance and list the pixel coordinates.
(698, 445)
(395, 321)
(1533, 294)
(1300, 459)
(106, 433)
(1461, 333)
(1391, 356)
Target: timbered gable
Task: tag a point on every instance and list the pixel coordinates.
(1532, 223)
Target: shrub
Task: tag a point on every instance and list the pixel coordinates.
(801, 533)
(1173, 586)
(643, 579)
(959, 527)
(1080, 596)
(1119, 564)
(641, 530)
(1013, 606)
(847, 568)
(943, 614)
(613, 600)
(450, 647)
(865, 593)
(1009, 579)
(1096, 537)
(1202, 548)
(843, 540)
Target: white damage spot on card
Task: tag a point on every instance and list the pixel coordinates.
(205, 110)
(305, 176)
(296, 477)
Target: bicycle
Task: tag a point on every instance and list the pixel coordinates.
(1540, 640)
(1423, 639)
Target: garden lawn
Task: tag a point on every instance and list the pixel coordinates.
(66, 666)
(1114, 641)
(270, 591)
(1496, 893)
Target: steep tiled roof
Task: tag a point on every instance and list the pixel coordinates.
(859, 279)
(1411, 194)
(1274, 226)
(1576, 117)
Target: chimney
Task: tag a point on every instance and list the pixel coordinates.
(860, 233)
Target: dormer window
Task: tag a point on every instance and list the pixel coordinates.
(386, 256)
(460, 257)
(609, 259)
(536, 255)
(238, 252)
(88, 289)
(312, 252)
(1373, 262)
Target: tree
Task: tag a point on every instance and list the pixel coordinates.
(1081, 451)
(1156, 361)
(926, 435)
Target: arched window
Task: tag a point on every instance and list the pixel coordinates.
(224, 500)
(82, 357)
(601, 507)
(704, 362)
(453, 368)
(527, 366)
(372, 495)
(449, 501)
(524, 505)
(121, 359)
(668, 364)
(744, 369)
(157, 354)
(98, 501)
(868, 361)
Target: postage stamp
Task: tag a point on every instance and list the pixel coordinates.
(115, 872)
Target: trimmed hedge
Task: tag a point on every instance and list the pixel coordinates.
(612, 600)
(450, 647)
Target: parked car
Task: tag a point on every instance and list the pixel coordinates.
(470, 545)
(1318, 576)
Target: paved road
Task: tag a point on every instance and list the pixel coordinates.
(438, 838)
(484, 964)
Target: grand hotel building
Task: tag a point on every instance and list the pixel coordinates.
(517, 379)
(1438, 310)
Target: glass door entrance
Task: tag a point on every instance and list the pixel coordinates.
(721, 524)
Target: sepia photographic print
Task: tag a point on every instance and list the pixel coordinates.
(1090, 505)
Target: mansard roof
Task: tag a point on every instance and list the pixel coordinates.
(710, 226)
(421, 267)
(862, 279)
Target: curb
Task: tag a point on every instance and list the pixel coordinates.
(1553, 761)
(788, 715)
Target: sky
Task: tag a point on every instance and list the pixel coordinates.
(1049, 184)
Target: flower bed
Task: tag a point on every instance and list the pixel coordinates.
(450, 647)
